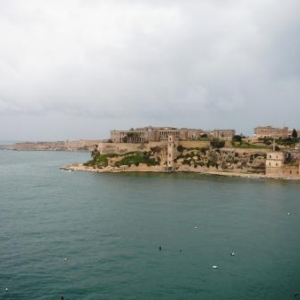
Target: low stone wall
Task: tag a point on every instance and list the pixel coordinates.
(120, 148)
(194, 144)
(250, 150)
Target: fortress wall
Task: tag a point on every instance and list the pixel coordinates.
(290, 171)
(120, 147)
(285, 172)
(128, 147)
(194, 144)
(250, 150)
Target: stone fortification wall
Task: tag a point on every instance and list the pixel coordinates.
(250, 151)
(120, 148)
(283, 165)
(194, 144)
(283, 172)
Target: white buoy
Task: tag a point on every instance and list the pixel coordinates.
(195, 227)
(65, 259)
(6, 289)
(232, 253)
(215, 267)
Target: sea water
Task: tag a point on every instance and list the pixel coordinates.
(82, 235)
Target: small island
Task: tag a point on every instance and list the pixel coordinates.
(234, 156)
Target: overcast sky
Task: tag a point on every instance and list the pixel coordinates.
(75, 69)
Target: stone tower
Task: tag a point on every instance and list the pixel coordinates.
(274, 163)
(171, 152)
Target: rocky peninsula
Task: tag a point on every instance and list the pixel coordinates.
(203, 157)
(193, 157)
(184, 156)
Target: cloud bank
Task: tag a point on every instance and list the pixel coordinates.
(121, 64)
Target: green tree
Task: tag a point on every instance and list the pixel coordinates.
(217, 144)
(294, 133)
(180, 148)
(95, 152)
(237, 138)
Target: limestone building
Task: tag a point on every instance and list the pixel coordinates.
(268, 131)
(282, 165)
(223, 134)
(144, 135)
(159, 134)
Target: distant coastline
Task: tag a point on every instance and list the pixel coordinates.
(81, 145)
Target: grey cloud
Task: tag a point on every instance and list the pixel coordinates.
(185, 63)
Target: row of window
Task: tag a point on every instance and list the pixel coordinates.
(270, 156)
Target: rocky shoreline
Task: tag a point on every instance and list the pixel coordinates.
(158, 169)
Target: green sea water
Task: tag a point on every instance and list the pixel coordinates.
(97, 236)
